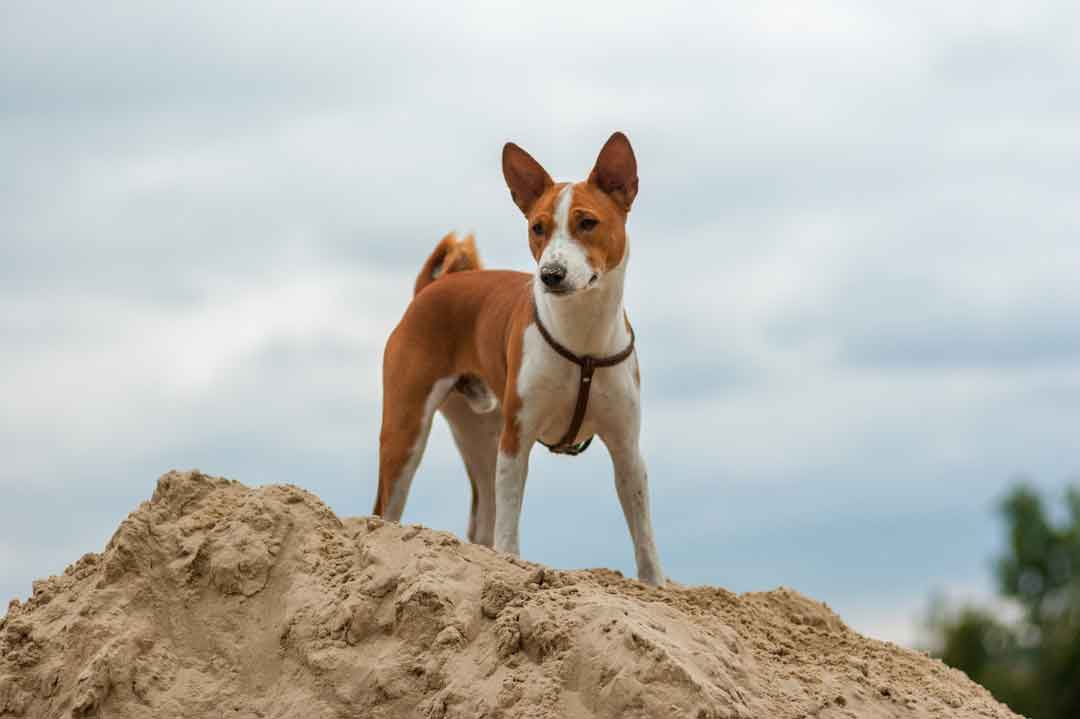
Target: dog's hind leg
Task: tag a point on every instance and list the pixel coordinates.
(406, 423)
(477, 438)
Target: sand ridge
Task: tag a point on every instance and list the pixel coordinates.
(219, 600)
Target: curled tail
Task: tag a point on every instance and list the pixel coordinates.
(450, 255)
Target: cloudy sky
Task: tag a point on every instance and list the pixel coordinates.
(853, 276)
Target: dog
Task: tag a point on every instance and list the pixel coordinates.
(512, 359)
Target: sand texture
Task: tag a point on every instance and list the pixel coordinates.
(217, 600)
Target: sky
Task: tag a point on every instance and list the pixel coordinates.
(853, 270)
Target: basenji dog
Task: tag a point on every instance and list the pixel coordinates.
(512, 359)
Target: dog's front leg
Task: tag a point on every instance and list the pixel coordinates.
(510, 472)
(632, 485)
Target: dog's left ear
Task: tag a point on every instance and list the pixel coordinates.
(616, 171)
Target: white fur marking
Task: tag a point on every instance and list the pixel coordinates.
(632, 486)
(588, 322)
(510, 474)
(563, 249)
(562, 208)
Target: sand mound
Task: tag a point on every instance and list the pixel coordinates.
(213, 599)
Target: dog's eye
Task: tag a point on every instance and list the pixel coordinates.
(538, 228)
(587, 223)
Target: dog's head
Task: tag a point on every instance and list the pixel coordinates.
(577, 230)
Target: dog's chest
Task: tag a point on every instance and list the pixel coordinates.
(548, 385)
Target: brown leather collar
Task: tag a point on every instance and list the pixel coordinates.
(587, 363)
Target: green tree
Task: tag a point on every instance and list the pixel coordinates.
(1031, 663)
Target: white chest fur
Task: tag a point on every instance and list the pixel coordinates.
(549, 383)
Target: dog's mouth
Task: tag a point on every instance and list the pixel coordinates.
(560, 291)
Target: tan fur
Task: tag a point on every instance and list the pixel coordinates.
(437, 338)
(605, 197)
(450, 255)
(463, 322)
(605, 243)
(459, 348)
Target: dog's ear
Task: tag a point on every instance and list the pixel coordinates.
(525, 177)
(615, 171)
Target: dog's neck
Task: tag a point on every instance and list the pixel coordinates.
(591, 322)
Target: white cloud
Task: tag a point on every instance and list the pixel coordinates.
(117, 370)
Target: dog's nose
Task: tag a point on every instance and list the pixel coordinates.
(552, 275)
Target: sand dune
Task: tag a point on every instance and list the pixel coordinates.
(217, 600)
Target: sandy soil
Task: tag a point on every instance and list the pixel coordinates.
(217, 600)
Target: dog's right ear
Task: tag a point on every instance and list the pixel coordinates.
(525, 177)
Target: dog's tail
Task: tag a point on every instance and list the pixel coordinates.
(450, 255)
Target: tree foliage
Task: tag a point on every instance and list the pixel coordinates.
(1031, 662)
